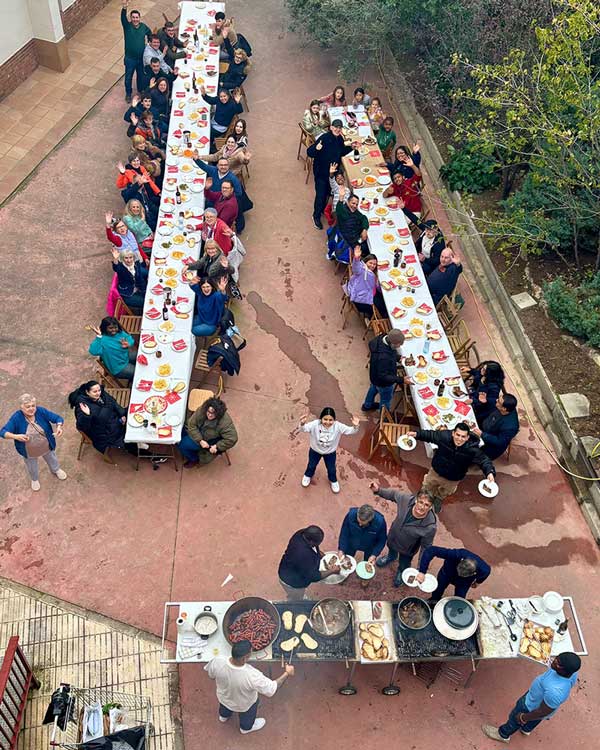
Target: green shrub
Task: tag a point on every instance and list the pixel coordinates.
(469, 170)
(576, 309)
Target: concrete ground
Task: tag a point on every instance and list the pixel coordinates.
(147, 538)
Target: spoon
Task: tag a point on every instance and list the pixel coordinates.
(513, 637)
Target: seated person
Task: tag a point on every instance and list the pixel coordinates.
(121, 237)
(240, 133)
(222, 30)
(173, 48)
(485, 383)
(132, 278)
(224, 201)
(210, 431)
(153, 72)
(360, 99)
(336, 99)
(239, 67)
(139, 190)
(210, 306)
(216, 229)
(405, 162)
(442, 280)
(499, 427)
(315, 120)
(139, 104)
(151, 157)
(407, 189)
(337, 180)
(386, 137)
(352, 224)
(152, 52)
(212, 265)
(115, 347)
(134, 217)
(227, 106)
(219, 173)
(134, 168)
(363, 287)
(237, 156)
(363, 530)
(100, 417)
(429, 244)
(376, 113)
(148, 127)
(161, 100)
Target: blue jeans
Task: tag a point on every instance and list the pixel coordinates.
(203, 329)
(189, 449)
(133, 66)
(512, 725)
(404, 561)
(386, 393)
(247, 718)
(313, 460)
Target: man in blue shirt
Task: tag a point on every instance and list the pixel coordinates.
(364, 529)
(462, 568)
(546, 694)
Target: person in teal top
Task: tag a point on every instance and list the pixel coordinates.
(134, 219)
(135, 34)
(546, 693)
(115, 347)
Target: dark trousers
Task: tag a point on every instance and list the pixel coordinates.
(367, 310)
(444, 579)
(322, 191)
(512, 725)
(247, 718)
(133, 66)
(313, 460)
(404, 561)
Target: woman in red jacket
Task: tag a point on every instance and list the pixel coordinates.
(128, 172)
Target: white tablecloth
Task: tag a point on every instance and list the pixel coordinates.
(178, 232)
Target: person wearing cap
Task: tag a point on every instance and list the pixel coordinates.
(328, 150)
(545, 695)
(239, 685)
(429, 244)
(363, 530)
(299, 566)
(383, 369)
(462, 568)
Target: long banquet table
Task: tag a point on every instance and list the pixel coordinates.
(407, 298)
(168, 344)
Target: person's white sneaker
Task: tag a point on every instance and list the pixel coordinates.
(305, 481)
(223, 719)
(60, 474)
(335, 487)
(258, 724)
(35, 486)
(144, 446)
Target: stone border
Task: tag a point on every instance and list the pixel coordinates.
(564, 441)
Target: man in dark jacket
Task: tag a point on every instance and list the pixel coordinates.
(171, 45)
(328, 150)
(383, 369)
(462, 568)
(443, 279)
(352, 224)
(413, 528)
(364, 529)
(499, 427)
(429, 244)
(456, 451)
(299, 566)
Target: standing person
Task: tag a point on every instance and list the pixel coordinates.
(299, 566)
(31, 429)
(546, 693)
(383, 369)
(325, 433)
(499, 427)
(462, 568)
(456, 451)
(239, 685)
(135, 34)
(413, 528)
(328, 150)
(363, 530)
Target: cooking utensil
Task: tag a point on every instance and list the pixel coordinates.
(418, 606)
(553, 602)
(320, 611)
(513, 637)
(206, 615)
(455, 618)
(334, 617)
(243, 605)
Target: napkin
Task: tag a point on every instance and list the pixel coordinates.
(414, 281)
(172, 397)
(461, 408)
(430, 410)
(180, 345)
(172, 168)
(135, 408)
(178, 113)
(142, 359)
(440, 356)
(410, 258)
(375, 153)
(157, 289)
(204, 140)
(144, 385)
(425, 392)
(166, 431)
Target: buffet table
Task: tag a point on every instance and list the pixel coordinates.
(426, 352)
(159, 389)
(491, 640)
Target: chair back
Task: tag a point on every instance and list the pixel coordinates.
(106, 377)
(121, 309)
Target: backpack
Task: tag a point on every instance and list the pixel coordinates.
(244, 44)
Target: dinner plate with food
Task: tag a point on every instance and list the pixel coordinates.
(136, 420)
(347, 565)
(407, 443)
(488, 489)
(365, 570)
(164, 370)
(420, 377)
(434, 371)
(166, 326)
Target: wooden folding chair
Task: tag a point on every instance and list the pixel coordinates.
(376, 325)
(402, 407)
(308, 165)
(130, 323)
(459, 337)
(244, 97)
(448, 312)
(86, 441)
(121, 395)
(220, 142)
(202, 369)
(386, 434)
(107, 378)
(306, 140)
(467, 355)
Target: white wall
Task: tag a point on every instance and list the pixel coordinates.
(15, 27)
(64, 4)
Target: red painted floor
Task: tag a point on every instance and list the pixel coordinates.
(123, 543)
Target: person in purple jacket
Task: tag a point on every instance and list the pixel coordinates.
(363, 287)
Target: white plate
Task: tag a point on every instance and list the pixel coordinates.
(173, 420)
(165, 338)
(132, 423)
(170, 188)
(149, 349)
(406, 574)
(362, 572)
(160, 365)
(165, 230)
(384, 179)
(183, 307)
(160, 253)
(492, 492)
(197, 188)
(407, 443)
(343, 574)
(429, 584)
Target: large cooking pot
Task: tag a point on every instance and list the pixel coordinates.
(206, 623)
(245, 604)
(456, 618)
(338, 615)
(418, 605)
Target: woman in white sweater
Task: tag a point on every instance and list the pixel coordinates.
(325, 433)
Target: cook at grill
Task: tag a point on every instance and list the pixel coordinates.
(462, 568)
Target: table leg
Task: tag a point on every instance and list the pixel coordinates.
(348, 688)
(392, 689)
